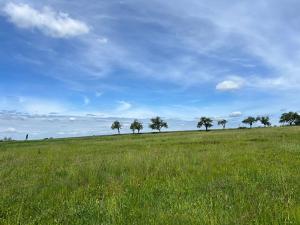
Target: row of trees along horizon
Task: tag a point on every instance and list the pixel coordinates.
(290, 118)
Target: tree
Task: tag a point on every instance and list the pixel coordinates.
(157, 124)
(139, 127)
(250, 120)
(290, 118)
(298, 120)
(116, 125)
(222, 123)
(136, 125)
(265, 120)
(7, 139)
(206, 122)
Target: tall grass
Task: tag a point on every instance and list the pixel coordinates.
(220, 177)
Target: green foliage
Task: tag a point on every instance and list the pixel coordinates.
(222, 123)
(206, 122)
(290, 118)
(116, 125)
(265, 120)
(157, 124)
(136, 125)
(250, 120)
(231, 177)
(298, 121)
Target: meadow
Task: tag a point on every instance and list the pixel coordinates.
(248, 176)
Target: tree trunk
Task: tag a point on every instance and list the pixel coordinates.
(206, 128)
(118, 130)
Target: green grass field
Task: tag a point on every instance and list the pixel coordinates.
(218, 177)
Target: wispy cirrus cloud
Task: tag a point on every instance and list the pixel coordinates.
(172, 58)
(54, 24)
(123, 106)
(203, 46)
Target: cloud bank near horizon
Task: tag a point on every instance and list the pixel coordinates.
(17, 125)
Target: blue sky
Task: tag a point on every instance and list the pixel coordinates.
(94, 60)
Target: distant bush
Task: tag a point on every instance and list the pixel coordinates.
(242, 128)
(46, 139)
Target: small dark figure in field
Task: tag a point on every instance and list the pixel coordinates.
(26, 137)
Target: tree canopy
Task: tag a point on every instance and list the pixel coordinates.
(265, 120)
(136, 125)
(298, 121)
(249, 120)
(222, 123)
(157, 124)
(291, 118)
(206, 122)
(116, 125)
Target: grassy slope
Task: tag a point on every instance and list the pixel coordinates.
(219, 177)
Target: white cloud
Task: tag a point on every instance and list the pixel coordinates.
(235, 114)
(237, 28)
(229, 85)
(123, 106)
(54, 24)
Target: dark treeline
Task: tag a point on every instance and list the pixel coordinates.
(290, 119)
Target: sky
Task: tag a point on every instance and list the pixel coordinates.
(69, 68)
